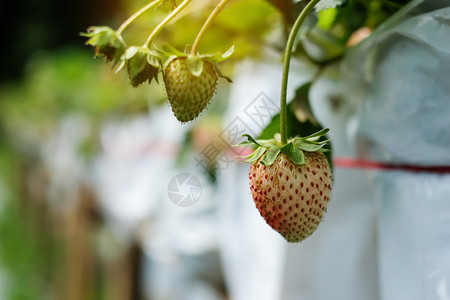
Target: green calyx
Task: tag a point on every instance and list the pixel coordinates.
(106, 41)
(196, 62)
(268, 150)
(142, 65)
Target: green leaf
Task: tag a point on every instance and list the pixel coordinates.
(168, 60)
(130, 52)
(228, 53)
(287, 148)
(153, 60)
(271, 155)
(251, 139)
(244, 144)
(315, 136)
(119, 66)
(219, 57)
(261, 143)
(268, 143)
(255, 155)
(168, 53)
(295, 127)
(326, 18)
(168, 49)
(195, 65)
(295, 154)
(305, 146)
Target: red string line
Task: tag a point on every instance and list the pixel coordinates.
(350, 163)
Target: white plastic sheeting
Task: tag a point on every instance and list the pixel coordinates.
(400, 75)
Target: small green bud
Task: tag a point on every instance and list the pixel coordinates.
(106, 42)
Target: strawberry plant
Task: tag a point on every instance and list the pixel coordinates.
(284, 172)
(290, 176)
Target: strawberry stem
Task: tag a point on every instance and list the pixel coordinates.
(207, 24)
(164, 22)
(287, 61)
(137, 15)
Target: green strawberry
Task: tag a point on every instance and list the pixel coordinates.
(191, 80)
(189, 92)
(291, 184)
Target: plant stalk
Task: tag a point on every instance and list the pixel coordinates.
(207, 24)
(137, 15)
(164, 22)
(286, 65)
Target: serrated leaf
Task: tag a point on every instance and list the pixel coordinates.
(195, 65)
(271, 155)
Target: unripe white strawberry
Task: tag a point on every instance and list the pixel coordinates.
(292, 198)
(290, 183)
